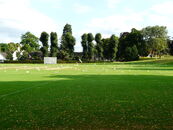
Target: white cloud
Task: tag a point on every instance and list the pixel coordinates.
(81, 9)
(19, 17)
(164, 8)
(52, 3)
(160, 14)
(113, 3)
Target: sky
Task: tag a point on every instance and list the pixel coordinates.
(96, 16)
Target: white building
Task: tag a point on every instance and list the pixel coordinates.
(2, 57)
(15, 53)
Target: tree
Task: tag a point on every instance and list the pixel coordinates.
(131, 53)
(27, 48)
(128, 42)
(154, 32)
(84, 43)
(156, 39)
(113, 47)
(44, 38)
(25, 56)
(37, 55)
(54, 44)
(158, 46)
(123, 43)
(63, 55)
(9, 56)
(30, 40)
(106, 54)
(12, 47)
(90, 46)
(138, 40)
(170, 45)
(3, 47)
(68, 41)
(99, 46)
(67, 29)
(68, 44)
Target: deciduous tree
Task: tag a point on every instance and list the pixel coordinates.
(29, 39)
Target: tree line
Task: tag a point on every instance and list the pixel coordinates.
(129, 46)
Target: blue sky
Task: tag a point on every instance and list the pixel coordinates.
(104, 16)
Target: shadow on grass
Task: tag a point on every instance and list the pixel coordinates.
(88, 102)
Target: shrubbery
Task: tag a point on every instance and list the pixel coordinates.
(25, 61)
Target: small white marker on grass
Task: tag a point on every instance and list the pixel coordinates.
(27, 72)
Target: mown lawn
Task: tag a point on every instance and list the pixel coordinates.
(132, 95)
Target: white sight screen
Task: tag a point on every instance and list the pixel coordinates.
(50, 60)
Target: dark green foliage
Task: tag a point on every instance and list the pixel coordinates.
(30, 41)
(21, 61)
(151, 40)
(170, 45)
(63, 55)
(131, 53)
(110, 48)
(68, 41)
(12, 47)
(137, 38)
(90, 46)
(44, 50)
(27, 48)
(128, 43)
(18, 55)
(99, 46)
(9, 56)
(84, 43)
(54, 52)
(113, 47)
(67, 29)
(25, 56)
(54, 44)
(123, 43)
(106, 48)
(44, 38)
(3, 47)
(37, 55)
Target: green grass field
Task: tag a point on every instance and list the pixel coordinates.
(132, 95)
